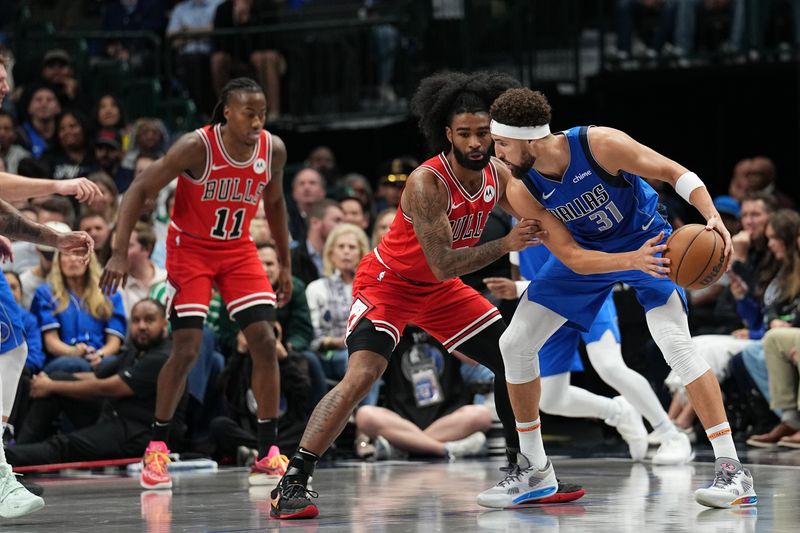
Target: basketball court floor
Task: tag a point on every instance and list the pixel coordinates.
(621, 496)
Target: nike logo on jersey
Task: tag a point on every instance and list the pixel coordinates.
(548, 195)
(645, 226)
(456, 206)
(218, 167)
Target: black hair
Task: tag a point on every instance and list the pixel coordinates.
(235, 85)
(161, 308)
(83, 122)
(122, 119)
(443, 95)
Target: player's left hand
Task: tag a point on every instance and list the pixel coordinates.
(76, 243)
(284, 292)
(715, 223)
(6, 254)
(647, 259)
(84, 190)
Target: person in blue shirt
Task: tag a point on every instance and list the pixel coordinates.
(587, 179)
(80, 325)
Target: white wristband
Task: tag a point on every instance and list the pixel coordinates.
(686, 184)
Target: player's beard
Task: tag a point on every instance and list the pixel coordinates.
(521, 170)
(471, 164)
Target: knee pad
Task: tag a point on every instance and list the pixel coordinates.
(520, 356)
(670, 329)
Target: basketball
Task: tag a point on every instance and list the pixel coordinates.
(697, 256)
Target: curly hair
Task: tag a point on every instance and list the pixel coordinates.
(522, 108)
(444, 95)
(235, 85)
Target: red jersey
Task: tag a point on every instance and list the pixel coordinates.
(401, 252)
(221, 203)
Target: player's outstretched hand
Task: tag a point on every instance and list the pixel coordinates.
(84, 190)
(6, 254)
(715, 223)
(647, 260)
(284, 292)
(525, 233)
(76, 243)
(115, 274)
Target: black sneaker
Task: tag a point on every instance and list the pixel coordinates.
(291, 500)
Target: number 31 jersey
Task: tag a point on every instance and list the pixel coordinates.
(602, 211)
(220, 204)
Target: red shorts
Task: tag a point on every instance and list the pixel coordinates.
(195, 265)
(451, 311)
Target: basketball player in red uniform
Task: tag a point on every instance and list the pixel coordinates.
(224, 169)
(412, 275)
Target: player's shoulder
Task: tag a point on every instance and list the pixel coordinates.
(606, 136)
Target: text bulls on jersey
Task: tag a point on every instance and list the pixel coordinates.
(228, 189)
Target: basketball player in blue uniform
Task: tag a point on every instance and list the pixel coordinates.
(559, 357)
(588, 179)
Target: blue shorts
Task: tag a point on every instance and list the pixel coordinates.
(560, 353)
(578, 298)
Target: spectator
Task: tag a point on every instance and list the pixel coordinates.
(98, 228)
(71, 155)
(238, 53)
(108, 154)
(108, 114)
(10, 152)
(80, 325)
(383, 221)
(34, 361)
(55, 208)
(750, 253)
(128, 385)
(323, 160)
(737, 188)
(38, 132)
(308, 186)
(330, 297)
(31, 279)
(58, 72)
(193, 54)
(428, 409)
(354, 212)
(108, 205)
(359, 186)
(307, 262)
(150, 136)
(143, 274)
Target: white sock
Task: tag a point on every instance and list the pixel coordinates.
(722, 441)
(530, 442)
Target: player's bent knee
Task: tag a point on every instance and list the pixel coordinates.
(520, 358)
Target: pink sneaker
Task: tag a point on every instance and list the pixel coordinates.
(154, 467)
(270, 469)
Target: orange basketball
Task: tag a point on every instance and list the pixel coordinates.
(697, 256)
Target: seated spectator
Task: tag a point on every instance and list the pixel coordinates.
(31, 279)
(308, 187)
(99, 230)
(239, 53)
(108, 205)
(143, 274)
(108, 114)
(193, 54)
(71, 155)
(323, 160)
(108, 154)
(122, 394)
(359, 186)
(781, 346)
(57, 70)
(383, 221)
(323, 217)
(38, 131)
(10, 152)
(427, 410)
(354, 212)
(150, 137)
(80, 325)
(750, 253)
(33, 335)
(240, 425)
(329, 297)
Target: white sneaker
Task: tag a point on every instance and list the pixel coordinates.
(522, 484)
(732, 486)
(15, 500)
(384, 451)
(629, 423)
(469, 446)
(676, 450)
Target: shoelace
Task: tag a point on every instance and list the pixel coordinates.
(513, 473)
(296, 490)
(723, 479)
(276, 461)
(157, 460)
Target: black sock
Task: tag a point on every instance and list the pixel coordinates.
(267, 435)
(301, 467)
(161, 430)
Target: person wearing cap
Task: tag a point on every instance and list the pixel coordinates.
(108, 153)
(57, 70)
(392, 181)
(729, 210)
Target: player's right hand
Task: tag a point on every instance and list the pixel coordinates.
(525, 233)
(647, 260)
(115, 274)
(76, 243)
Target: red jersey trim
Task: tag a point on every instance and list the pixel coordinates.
(201, 132)
(268, 141)
(447, 186)
(469, 197)
(230, 160)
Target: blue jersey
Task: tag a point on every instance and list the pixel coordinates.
(602, 211)
(12, 330)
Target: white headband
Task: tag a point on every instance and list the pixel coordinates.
(516, 132)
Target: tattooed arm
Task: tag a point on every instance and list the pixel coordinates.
(425, 200)
(15, 225)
